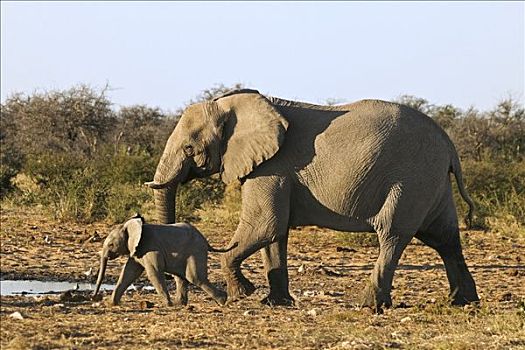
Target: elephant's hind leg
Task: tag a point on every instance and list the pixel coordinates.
(395, 224)
(181, 298)
(377, 292)
(197, 274)
(443, 236)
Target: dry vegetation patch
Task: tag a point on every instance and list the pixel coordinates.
(327, 272)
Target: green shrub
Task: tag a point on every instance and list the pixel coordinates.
(10, 165)
(11, 158)
(75, 121)
(498, 190)
(109, 186)
(125, 199)
(72, 189)
(127, 168)
(191, 196)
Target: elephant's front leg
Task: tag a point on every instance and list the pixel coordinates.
(130, 273)
(275, 265)
(157, 279)
(264, 220)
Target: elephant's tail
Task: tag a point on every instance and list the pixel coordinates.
(455, 168)
(224, 250)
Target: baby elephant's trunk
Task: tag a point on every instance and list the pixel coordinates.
(101, 272)
(215, 250)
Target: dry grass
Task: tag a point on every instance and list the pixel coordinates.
(327, 290)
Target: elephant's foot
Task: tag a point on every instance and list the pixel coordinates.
(373, 298)
(180, 301)
(275, 299)
(113, 301)
(459, 298)
(239, 287)
(221, 298)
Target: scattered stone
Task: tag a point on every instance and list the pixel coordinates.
(95, 237)
(346, 344)
(96, 304)
(392, 345)
(354, 345)
(309, 293)
(471, 308)
(16, 315)
(505, 296)
(312, 312)
(330, 272)
(345, 249)
(402, 305)
(144, 304)
(72, 296)
(396, 334)
(249, 313)
(89, 272)
(333, 293)
(406, 319)
(66, 296)
(301, 269)
(97, 297)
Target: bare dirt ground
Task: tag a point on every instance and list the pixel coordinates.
(327, 272)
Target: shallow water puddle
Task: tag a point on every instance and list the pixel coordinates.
(17, 287)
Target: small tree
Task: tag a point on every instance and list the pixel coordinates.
(11, 158)
(76, 121)
(142, 129)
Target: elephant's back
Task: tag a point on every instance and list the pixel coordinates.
(362, 149)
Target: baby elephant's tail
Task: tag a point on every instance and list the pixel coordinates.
(215, 250)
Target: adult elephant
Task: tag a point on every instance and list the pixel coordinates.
(371, 166)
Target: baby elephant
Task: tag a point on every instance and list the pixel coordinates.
(178, 249)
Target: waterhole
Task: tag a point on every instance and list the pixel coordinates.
(21, 287)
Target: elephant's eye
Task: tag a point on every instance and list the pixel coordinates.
(188, 150)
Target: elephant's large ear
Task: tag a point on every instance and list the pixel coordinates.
(253, 132)
(134, 229)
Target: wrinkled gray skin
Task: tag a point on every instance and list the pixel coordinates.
(178, 249)
(371, 166)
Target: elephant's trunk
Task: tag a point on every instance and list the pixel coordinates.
(101, 272)
(165, 204)
(171, 170)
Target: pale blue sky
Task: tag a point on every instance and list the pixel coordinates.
(162, 54)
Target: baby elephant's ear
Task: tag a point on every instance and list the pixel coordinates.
(134, 228)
